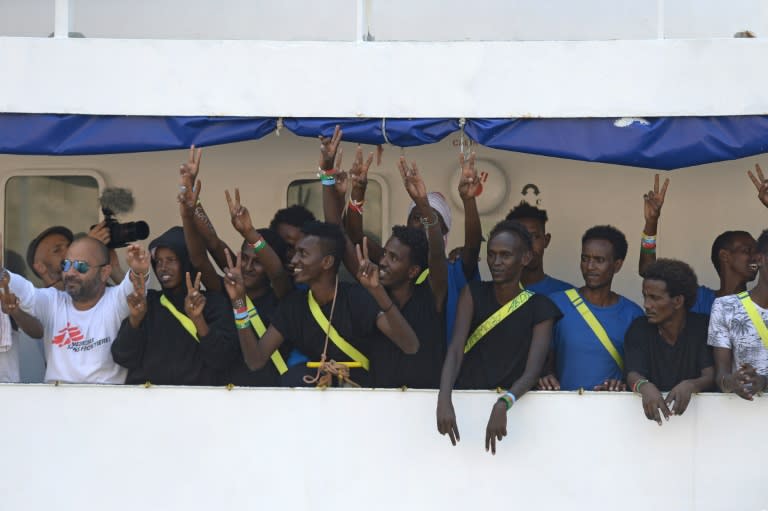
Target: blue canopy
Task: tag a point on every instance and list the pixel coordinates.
(108, 134)
(663, 143)
(659, 143)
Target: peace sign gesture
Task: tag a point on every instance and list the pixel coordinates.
(367, 272)
(193, 162)
(358, 174)
(233, 277)
(189, 189)
(654, 200)
(137, 301)
(328, 148)
(241, 218)
(760, 183)
(470, 184)
(414, 185)
(195, 300)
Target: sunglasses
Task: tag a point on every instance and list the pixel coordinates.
(79, 266)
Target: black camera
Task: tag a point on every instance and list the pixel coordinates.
(120, 235)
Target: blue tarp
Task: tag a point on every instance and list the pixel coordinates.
(399, 132)
(657, 143)
(664, 143)
(108, 134)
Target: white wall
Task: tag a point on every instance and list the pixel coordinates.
(333, 79)
(391, 20)
(116, 448)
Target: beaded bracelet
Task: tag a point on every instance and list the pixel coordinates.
(638, 383)
(327, 177)
(258, 245)
(509, 399)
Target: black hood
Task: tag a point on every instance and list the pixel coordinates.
(173, 239)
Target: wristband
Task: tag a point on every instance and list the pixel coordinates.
(427, 224)
(509, 399)
(145, 276)
(258, 245)
(356, 205)
(638, 384)
(327, 177)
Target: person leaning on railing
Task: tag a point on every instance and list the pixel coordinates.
(666, 350)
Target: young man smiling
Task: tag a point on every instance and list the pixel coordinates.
(349, 317)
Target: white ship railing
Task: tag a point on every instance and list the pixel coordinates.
(127, 448)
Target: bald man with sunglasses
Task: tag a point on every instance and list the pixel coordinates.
(81, 321)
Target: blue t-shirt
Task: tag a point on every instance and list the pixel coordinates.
(705, 297)
(549, 285)
(456, 282)
(581, 359)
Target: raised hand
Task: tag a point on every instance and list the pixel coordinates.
(138, 259)
(446, 420)
(470, 184)
(496, 429)
(358, 174)
(328, 148)
(194, 303)
(193, 162)
(341, 184)
(412, 180)
(137, 301)
(760, 183)
(654, 200)
(233, 277)
(367, 273)
(189, 189)
(241, 218)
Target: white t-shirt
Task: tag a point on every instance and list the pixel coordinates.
(77, 343)
(9, 361)
(730, 327)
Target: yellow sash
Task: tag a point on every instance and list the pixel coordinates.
(496, 318)
(260, 328)
(422, 277)
(187, 323)
(754, 316)
(334, 336)
(595, 325)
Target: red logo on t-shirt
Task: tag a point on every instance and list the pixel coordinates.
(67, 335)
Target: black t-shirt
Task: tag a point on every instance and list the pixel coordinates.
(393, 368)
(646, 353)
(499, 358)
(354, 319)
(268, 376)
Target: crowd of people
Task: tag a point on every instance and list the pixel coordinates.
(274, 312)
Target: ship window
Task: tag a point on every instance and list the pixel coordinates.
(34, 203)
(309, 193)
